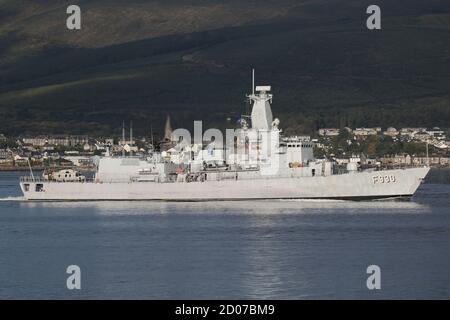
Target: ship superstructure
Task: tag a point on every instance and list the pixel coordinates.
(257, 162)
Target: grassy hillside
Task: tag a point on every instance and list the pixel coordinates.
(141, 60)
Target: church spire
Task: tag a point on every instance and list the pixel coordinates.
(168, 130)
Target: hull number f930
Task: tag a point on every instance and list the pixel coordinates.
(384, 179)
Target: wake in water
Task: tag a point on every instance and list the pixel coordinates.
(309, 200)
(12, 199)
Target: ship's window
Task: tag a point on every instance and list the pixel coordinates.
(39, 187)
(26, 187)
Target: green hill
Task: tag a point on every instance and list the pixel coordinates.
(142, 60)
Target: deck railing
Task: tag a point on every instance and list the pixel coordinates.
(41, 179)
(337, 171)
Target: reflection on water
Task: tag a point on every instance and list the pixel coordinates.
(244, 249)
(268, 207)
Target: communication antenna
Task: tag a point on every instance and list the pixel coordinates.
(151, 135)
(249, 99)
(131, 138)
(31, 170)
(123, 139)
(253, 81)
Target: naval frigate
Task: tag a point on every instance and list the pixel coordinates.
(259, 163)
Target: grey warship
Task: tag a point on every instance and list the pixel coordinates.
(260, 163)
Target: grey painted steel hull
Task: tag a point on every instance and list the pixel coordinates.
(356, 186)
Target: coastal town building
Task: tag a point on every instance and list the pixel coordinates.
(437, 133)
(407, 160)
(352, 159)
(57, 140)
(433, 161)
(79, 150)
(411, 132)
(366, 131)
(398, 159)
(80, 161)
(6, 157)
(423, 136)
(329, 132)
(5, 154)
(441, 144)
(21, 161)
(392, 132)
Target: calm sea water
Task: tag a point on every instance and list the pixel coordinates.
(235, 250)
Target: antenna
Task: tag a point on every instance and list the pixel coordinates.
(428, 160)
(31, 170)
(151, 135)
(131, 138)
(123, 139)
(253, 81)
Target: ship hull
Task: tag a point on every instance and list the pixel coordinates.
(400, 183)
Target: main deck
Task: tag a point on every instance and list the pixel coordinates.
(358, 185)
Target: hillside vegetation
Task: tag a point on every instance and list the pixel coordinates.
(192, 59)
